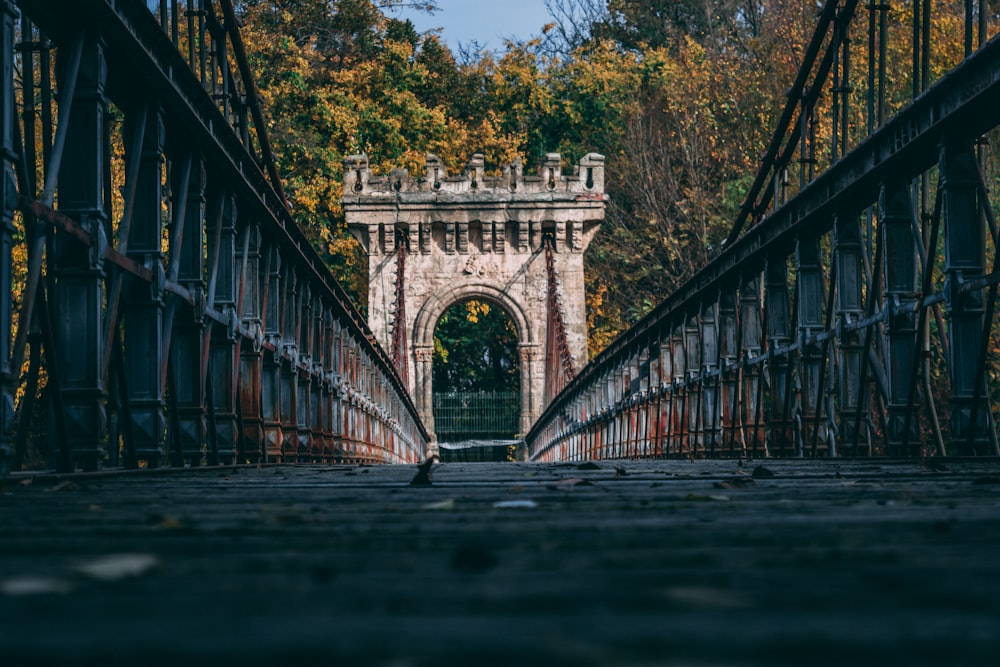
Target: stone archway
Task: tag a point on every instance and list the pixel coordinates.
(531, 375)
(475, 237)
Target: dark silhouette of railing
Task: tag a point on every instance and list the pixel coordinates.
(818, 330)
(166, 298)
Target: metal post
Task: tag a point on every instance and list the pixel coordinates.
(223, 299)
(809, 258)
(901, 296)
(778, 334)
(78, 269)
(271, 370)
(143, 304)
(711, 425)
(729, 346)
(8, 197)
(186, 337)
(964, 247)
(850, 276)
(253, 281)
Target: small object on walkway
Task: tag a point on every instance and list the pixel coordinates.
(760, 472)
(116, 567)
(515, 504)
(589, 465)
(620, 472)
(423, 476)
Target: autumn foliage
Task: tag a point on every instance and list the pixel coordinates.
(681, 97)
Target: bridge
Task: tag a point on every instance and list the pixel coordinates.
(213, 402)
(178, 316)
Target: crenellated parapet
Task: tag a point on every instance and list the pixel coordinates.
(472, 212)
(586, 178)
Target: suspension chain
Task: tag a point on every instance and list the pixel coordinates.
(399, 350)
(555, 314)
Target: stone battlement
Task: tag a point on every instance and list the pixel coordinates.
(587, 178)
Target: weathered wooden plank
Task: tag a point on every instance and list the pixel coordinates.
(675, 562)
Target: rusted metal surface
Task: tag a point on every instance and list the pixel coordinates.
(163, 343)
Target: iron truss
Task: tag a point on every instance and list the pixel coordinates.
(173, 308)
(831, 323)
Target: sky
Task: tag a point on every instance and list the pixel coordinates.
(488, 22)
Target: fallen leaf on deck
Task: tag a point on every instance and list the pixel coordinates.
(620, 472)
(760, 472)
(118, 566)
(444, 505)
(515, 504)
(589, 465)
(64, 486)
(23, 586)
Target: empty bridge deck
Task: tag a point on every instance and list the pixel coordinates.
(674, 562)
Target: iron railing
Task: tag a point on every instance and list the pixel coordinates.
(183, 316)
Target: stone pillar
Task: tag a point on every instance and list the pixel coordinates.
(79, 270)
(424, 358)
(964, 250)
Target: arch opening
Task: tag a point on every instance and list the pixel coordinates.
(476, 375)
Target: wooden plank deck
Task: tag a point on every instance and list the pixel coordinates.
(673, 563)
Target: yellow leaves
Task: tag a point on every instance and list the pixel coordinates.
(475, 310)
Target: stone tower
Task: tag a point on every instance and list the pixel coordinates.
(473, 236)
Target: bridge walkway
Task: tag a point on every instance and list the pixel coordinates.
(705, 562)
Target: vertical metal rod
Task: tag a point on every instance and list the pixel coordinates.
(915, 48)
(925, 67)
(202, 55)
(44, 67)
(29, 159)
(872, 44)
(968, 27)
(882, 60)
